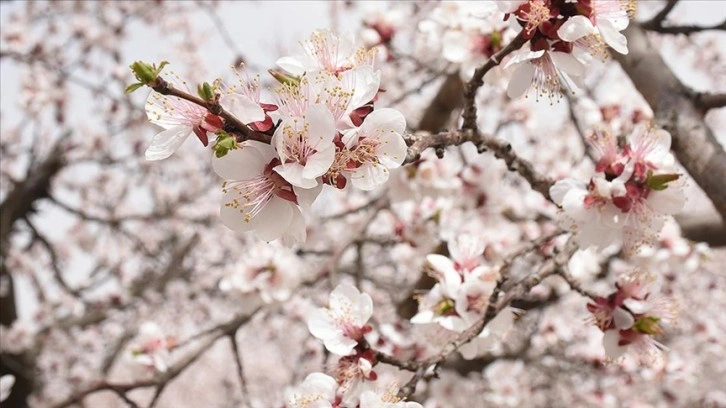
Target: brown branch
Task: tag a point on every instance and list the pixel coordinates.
(477, 80)
(447, 99)
(574, 284)
(162, 379)
(706, 101)
(21, 199)
(658, 19)
(236, 126)
(501, 149)
(240, 371)
(656, 23)
(685, 29)
(693, 142)
(54, 261)
(703, 228)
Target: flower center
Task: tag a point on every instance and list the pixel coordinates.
(534, 13)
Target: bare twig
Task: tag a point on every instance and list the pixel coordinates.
(574, 284)
(706, 101)
(686, 29)
(658, 19)
(163, 379)
(240, 370)
(477, 80)
(501, 149)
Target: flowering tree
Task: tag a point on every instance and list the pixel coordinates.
(453, 204)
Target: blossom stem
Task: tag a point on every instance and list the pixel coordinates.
(161, 86)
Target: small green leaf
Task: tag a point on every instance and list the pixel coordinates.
(133, 87)
(162, 64)
(205, 91)
(220, 152)
(660, 182)
(224, 144)
(145, 73)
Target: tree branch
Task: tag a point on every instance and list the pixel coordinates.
(21, 199)
(658, 19)
(477, 80)
(161, 380)
(706, 101)
(516, 292)
(685, 29)
(501, 149)
(240, 370)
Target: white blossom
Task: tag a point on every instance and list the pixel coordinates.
(344, 322)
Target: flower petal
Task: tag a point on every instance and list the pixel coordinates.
(575, 28)
(296, 65)
(307, 196)
(383, 120)
(365, 84)
(293, 173)
(568, 63)
(521, 80)
(297, 231)
(610, 340)
(321, 123)
(243, 163)
(242, 107)
(392, 150)
(319, 162)
(273, 220)
(369, 176)
(165, 143)
(612, 36)
(562, 187)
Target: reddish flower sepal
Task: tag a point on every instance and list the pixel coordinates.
(210, 123)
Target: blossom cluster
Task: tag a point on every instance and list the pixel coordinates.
(343, 326)
(561, 38)
(627, 199)
(631, 316)
(324, 131)
(152, 347)
(461, 295)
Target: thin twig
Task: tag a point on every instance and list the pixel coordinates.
(706, 101)
(657, 20)
(501, 149)
(687, 29)
(477, 80)
(240, 371)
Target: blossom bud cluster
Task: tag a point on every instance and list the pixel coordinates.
(323, 129)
